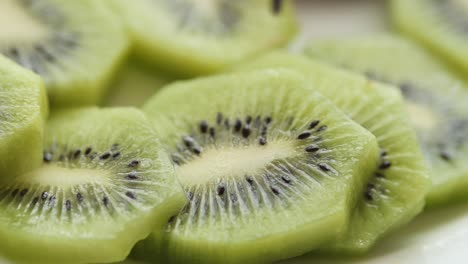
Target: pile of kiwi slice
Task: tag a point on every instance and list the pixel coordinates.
(264, 156)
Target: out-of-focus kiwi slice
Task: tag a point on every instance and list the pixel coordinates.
(271, 169)
(23, 110)
(74, 45)
(436, 101)
(105, 184)
(441, 25)
(192, 37)
(395, 193)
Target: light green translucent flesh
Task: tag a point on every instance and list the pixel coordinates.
(379, 109)
(90, 231)
(202, 43)
(77, 75)
(24, 108)
(285, 229)
(397, 61)
(134, 84)
(421, 20)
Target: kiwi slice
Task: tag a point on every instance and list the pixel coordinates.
(193, 37)
(134, 84)
(270, 168)
(436, 101)
(441, 25)
(74, 45)
(396, 190)
(24, 108)
(105, 183)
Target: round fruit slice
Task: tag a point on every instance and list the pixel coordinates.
(435, 99)
(192, 37)
(104, 185)
(24, 108)
(395, 193)
(73, 45)
(269, 167)
(441, 25)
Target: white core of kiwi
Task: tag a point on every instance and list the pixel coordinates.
(19, 26)
(238, 161)
(421, 116)
(65, 177)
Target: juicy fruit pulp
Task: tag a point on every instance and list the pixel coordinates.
(104, 185)
(435, 100)
(24, 108)
(192, 37)
(73, 45)
(395, 192)
(441, 25)
(293, 163)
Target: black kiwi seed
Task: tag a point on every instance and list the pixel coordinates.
(105, 156)
(385, 165)
(314, 123)
(88, 150)
(212, 132)
(324, 167)
(237, 125)
(131, 195)
(190, 196)
(274, 190)
(445, 155)
(80, 197)
(264, 131)
(44, 196)
(171, 219)
(134, 163)
(48, 157)
(312, 148)
(68, 205)
(383, 153)
(221, 189)
(35, 200)
(23, 192)
(188, 141)
(227, 125)
(368, 196)
(322, 128)
(268, 120)
(115, 155)
(15, 191)
(52, 200)
(203, 126)
(246, 131)
(132, 175)
(249, 179)
(262, 141)
(276, 6)
(286, 179)
(196, 151)
(77, 154)
(105, 201)
(219, 118)
(248, 120)
(304, 135)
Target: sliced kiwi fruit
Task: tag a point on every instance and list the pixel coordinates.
(105, 183)
(396, 190)
(134, 84)
(23, 104)
(441, 25)
(193, 37)
(74, 45)
(436, 101)
(270, 168)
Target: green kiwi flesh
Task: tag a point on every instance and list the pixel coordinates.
(74, 45)
(435, 98)
(395, 192)
(193, 37)
(440, 25)
(134, 84)
(269, 175)
(105, 184)
(24, 109)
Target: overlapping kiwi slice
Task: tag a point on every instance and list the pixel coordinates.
(192, 37)
(395, 193)
(23, 110)
(105, 183)
(73, 45)
(436, 101)
(270, 168)
(441, 25)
